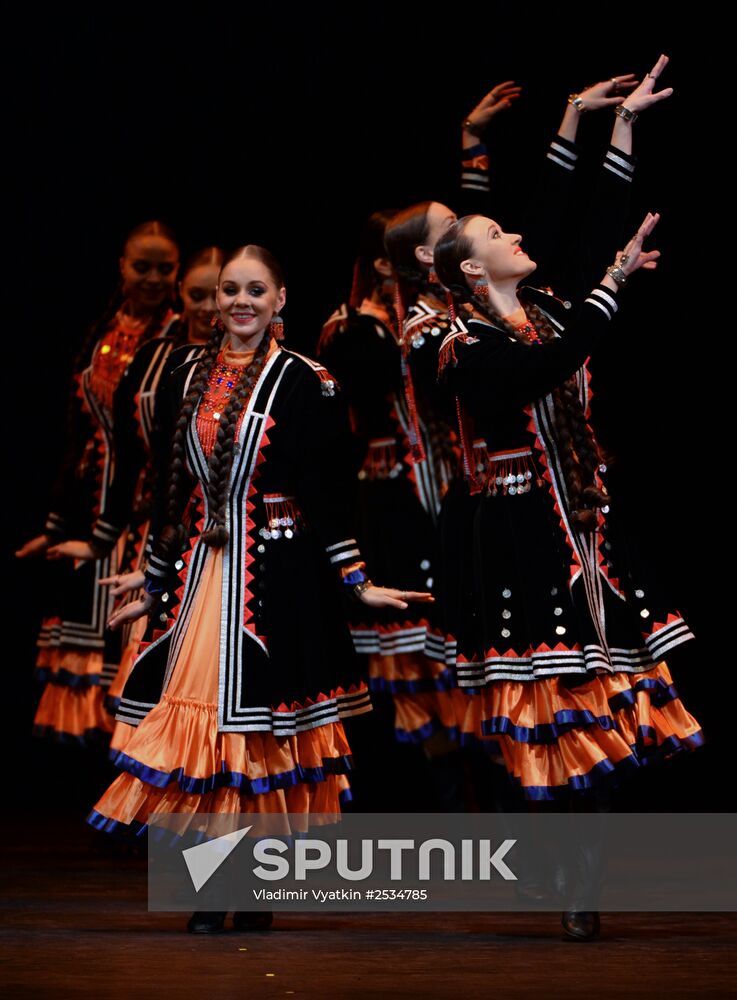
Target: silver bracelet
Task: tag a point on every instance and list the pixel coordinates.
(615, 271)
(577, 102)
(625, 114)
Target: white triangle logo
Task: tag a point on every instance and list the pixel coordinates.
(205, 859)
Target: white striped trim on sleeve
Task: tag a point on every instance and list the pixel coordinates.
(562, 155)
(340, 551)
(157, 567)
(603, 300)
(619, 165)
(54, 522)
(106, 532)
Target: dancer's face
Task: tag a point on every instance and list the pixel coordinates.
(496, 254)
(248, 298)
(149, 271)
(197, 288)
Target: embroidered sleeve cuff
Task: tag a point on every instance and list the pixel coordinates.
(563, 152)
(353, 574)
(619, 163)
(605, 300)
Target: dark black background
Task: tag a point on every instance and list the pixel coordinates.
(287, 128)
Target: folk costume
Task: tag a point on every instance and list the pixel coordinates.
(77, 657)
(139, 459)
(236, 703)
(559, 634)
(409, 458)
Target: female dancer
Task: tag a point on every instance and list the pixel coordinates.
(360, 343)
(236, 705)
(128, 500)
(428, 703)
(561, 637)
(77, 658)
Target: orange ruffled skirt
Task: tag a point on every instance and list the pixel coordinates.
(423, 691)
(72, 706)
(553, 738)
(176, 761)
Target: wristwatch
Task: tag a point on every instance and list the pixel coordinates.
(625, 114)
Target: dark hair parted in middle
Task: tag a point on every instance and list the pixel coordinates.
(370, 248)
(404, 232)
(206, 257)
(220, 461)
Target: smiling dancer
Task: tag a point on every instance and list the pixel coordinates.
(128, 499)
(237, 703)
(78, 659)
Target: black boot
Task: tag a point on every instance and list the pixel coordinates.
(206, 922)
(581, 925)
(587, 861)
(253, 920)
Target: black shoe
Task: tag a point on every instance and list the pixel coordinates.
(206, 922)
(581, 925)
(253, 920)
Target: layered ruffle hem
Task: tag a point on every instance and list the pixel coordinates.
(554, 739)
(424, 692)
(178, 762)
(72, 707)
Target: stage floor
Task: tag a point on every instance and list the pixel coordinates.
(75, 924)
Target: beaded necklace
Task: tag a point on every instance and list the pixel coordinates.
(114, 353)
(224, 379)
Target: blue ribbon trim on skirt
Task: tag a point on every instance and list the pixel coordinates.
(443, 682)
(230, 779)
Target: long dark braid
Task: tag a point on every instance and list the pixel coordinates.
(441, 443)
(404, 232)
(580, 451)
(173, 535)
(580, 455)
(221, 457)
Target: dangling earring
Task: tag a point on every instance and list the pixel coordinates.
(432, 276)
(217, 324)
(481, 288)
(276, 328)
